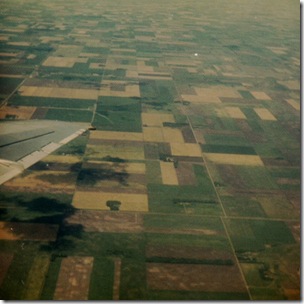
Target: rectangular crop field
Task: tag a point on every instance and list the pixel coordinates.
(265, 114)
(156, 119)
(208, 278)
(120, 151)
(28, 231)
(98, 201)
(168, 173)
(74, 278)
(113, 135)
(58, 92)
(234, 159)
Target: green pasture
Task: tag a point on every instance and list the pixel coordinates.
(254, 275)
(278, 206)
(181, 199)
(219, 241)
(268, 150)
(178, 221)
(118, 121)
(153, 172)
(69, 115)
(225, 139)
(253, 235)
(256, 177)
(264, 294)
(242, 206)
(8, 85)
(110, 103)
(228, 149)
(133, 280)
(13, 286)
(101, 281)
(118, 114)
(48, 102)
(75, 147)
(246, 94)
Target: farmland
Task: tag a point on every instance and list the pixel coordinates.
(186, 183)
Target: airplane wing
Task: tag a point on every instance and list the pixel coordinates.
(23, 143)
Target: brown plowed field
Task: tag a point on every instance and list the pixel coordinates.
(107, 221)
(187, 252)
(74, 278)
(207, 278)
(5, 262)
(185, 174)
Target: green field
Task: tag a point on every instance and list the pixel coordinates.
(69, 115)
(47, 102)
(242, 206)
(254, 235)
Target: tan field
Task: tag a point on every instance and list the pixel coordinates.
(74, 279)
(11, 76)
(145, 69)
(98, 201)
(28, 231)
(143, 74)
(58, 92)
(217, 91)
(153, 134)
(50, 39)
(63, 62)
(211, 94)
(264, 114)
(199, 99)
(172, 135)
(112, 135)
(131, 74)
(168, 172)
(124, 50)
(291, 84)
(185, 149)
(278, 50)
(260, 95)
(235, 112)
(234, 159)
(4, 38)
(156, 119)
(294, 104)
(18, 112)
(19, 43)
(6, 54)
